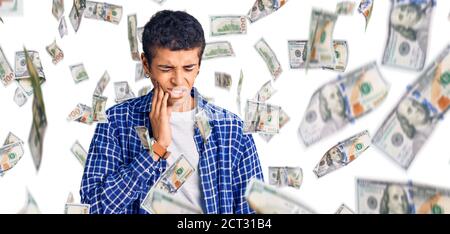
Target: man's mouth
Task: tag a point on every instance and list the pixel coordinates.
(178, 92)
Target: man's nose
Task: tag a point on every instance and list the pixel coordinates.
(178, 77)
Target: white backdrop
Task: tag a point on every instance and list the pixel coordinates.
(103, 46)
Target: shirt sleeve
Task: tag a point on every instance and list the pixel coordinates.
(247, 168)
(108, 184)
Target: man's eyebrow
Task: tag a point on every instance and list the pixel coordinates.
(165, 66)
(190, 65)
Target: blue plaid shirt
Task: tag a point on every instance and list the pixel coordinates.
(119, 171)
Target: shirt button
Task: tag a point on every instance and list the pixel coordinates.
(129, 194)
(160, 169)
(147, 170)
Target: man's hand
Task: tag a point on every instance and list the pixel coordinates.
(159, 117)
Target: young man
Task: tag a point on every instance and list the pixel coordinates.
(120, 171)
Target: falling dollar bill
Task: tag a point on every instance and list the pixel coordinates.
(388, 197)
(283, 119)
(239, 89)
(345, 8)
(75, 16)
(297, 55)
(123, 91)
(144, 136)
(269, 57)
(261, 117)
(62, 28)
(202, 123)
(139, 72)
(409, 25)
(39, 124)
(140, 33)
(223, 80)
(30, 206)
(365, 8)
(411, 122)
(73, 208)
(79, 152)
(265, 92)
(218, 49)
(228, 24)
(343, 209)
(6, 72)
(82, 114)
(320, 48)
(159, 202)
(58, 9)
(55, 52)
(343, 153)
(103, 11)
(78, 73)
(344, 100)
(11, 7)
(10, 153)
(22, 75)
(20, 97)
(102, 83)
(265, 199)
(99, 109)
(132, 37)
(286, 176)
(262, 8)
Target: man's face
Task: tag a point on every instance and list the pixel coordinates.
(397, 200)
(174, 71)
(413, 112)
(405, 16)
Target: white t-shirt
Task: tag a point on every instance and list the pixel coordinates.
(182, 126)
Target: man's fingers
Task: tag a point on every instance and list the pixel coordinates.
(159, 101)
(164, 104)
(155, 96)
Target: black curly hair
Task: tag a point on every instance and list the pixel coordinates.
(174, 30)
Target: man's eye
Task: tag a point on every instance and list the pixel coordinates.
(189, 68)
(165, 70)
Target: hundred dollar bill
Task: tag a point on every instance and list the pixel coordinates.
(343, 153)
(159, 202)
(223, 80)
(62, 28)
(283, 119)
(132, 37)
(139, 72)
(412, 121)
(202, 123)
(144, 136)
(261, 117)
(345, 8)
(58, 9)
(6, 72)
(262, 8)
(79, 152)
(21, 72)
(72, 208)
(75, 17)
(99, 109)
(10, 153)
(103, 11)
(409, 24)
(239, 89)
(297, 55)
(11, 8)
(39, 123)
(55, 52)
(341, 101)
(265, 92)
(431, 200)
(218, 49)
(30, 206)
(123, 91)
(101, 84)
(286, 176)
(343, 209)
(175, 176)
(228, 24)
(20, 97)
(140, 33)
(269, 57)
(320, 48)
(265, 199)
(365, 8)
(82, 114)
(78, 73)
